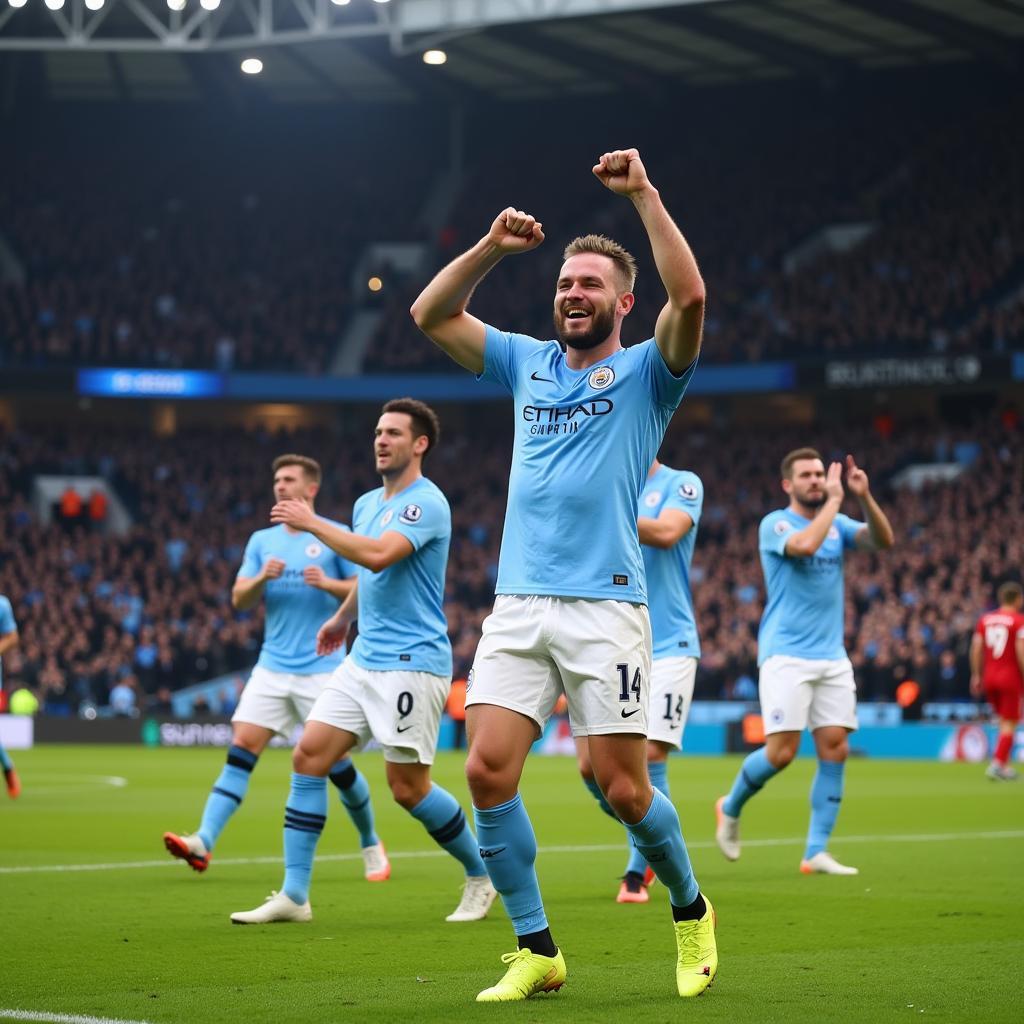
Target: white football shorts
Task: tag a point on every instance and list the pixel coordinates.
(596, 652)
(400, 710)
(802, 693)
(278, 700)
(672, 682)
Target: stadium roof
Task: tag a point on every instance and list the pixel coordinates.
(316, 50)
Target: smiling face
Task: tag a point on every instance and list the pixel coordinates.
(394, 445)
(591, 300)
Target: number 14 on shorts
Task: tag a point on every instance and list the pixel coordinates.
(630, 688)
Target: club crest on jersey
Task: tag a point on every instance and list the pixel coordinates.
(833, 533)
(652, 499)
(410, 514)
(782, 527)
(688, 491)
(387, 517)
(601, 378)
(314, 550)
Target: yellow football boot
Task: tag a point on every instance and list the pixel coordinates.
(697, 963)
(528, 973)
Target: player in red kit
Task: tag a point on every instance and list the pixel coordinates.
(997, 670)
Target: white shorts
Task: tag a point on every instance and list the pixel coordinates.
(400, 710)
(278, 700)
(598, 653)
(672, 682)
(801, 693)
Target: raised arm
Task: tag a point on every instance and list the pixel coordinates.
(681, 322)
(440, 309)
(878, 534)
(373, 553)
(806, 542)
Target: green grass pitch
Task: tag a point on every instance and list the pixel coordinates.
(931, 929)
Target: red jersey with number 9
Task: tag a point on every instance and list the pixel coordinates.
(999, 631)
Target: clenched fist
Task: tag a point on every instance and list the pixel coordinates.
(622, 171)
(514, 231)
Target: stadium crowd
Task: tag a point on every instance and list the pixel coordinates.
(249, 266)
(125, 620)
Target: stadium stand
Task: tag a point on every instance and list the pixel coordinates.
(151, 607)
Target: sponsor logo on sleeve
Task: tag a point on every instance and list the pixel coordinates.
(410, 514)
(314, 550)
(782, 527)
(387, 517)
(601, 378)
(688, 492)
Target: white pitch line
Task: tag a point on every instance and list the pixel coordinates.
(62, 1018)
(931, 837)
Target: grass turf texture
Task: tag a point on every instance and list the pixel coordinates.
(929, 927)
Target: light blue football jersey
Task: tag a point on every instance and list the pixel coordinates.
(673, 625)
(401, 609)
(803, 616)
(7, 623)
(294, 609)
(584, 441)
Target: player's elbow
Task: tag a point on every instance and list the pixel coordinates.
(421, 315)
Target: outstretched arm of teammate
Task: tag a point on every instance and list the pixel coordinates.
(806, 542)
(681, 322)
(878, 534)
(332, 634)
(373, 553)
(671, 526)
(314, 576)
(8, 642)
(248, 590)
(440, 310)
(975, 658)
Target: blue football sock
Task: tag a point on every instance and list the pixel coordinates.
(755, 771)
(658, 772)
(304, 817)
(509, 849)
(354, 791)
(227, 794)
(5, 761)
(443, 818)
(658, 838)
(826, 796)
(594, 788)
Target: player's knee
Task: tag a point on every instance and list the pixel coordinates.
(308, 762)
(629, 798)
(781, 756)
(407, 793)
(487, 780)
(586, 769)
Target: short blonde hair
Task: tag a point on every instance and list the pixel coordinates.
(624, 262)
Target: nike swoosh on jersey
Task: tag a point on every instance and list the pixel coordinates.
(630, 714)
(403, 728)
(533, 376)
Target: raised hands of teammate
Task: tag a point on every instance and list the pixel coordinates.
(834, 481)
(331, 635)
(294, 513)
(314, 576)
(272, 569)
(856, 478)
(622, 171)
(514, 231)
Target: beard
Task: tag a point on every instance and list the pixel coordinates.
(602, 323)
(814, 500)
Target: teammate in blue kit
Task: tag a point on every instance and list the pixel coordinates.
(302, 581)
(394, 684)
(8, 641)
(806, 679)
(670, 508)
(570, 609)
